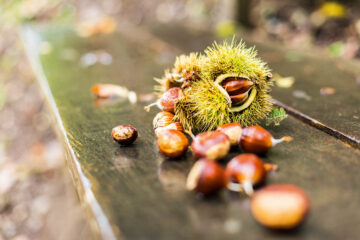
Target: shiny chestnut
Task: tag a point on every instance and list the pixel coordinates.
(124, 134)
(175, 125)
(162, 119)
(169, 98)
(233, 131)
(206, 177)
(246, 167)
(256, 139)
(172, 143)
(280, 206)
(212, 145)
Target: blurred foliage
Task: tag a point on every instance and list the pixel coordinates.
(333, 10)
(336, 49)
(14, 12)
(225, 29)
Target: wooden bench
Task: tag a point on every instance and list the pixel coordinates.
(135, 193)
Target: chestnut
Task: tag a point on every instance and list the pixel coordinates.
(206, 177)
(124, 134)
(246, 169)
(233, 131)
(167, 100)
(109, 90)
(162, 119)
(212, 145)
(172, 143)
(175, 125)
(280, 206)
(255, 139)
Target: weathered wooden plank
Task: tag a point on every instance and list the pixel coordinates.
(135, 192)
(337, 114)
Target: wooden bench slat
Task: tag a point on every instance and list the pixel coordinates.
(139, 192)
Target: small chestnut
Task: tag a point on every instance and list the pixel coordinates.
(280, 206)
(246, 169)
(168, 99)
(233, 131)
(162, 119)
(256, 139)
(172, 143)
(175, 125)
(124, 134)
(206, 177)
(212, 145)
(109, 90)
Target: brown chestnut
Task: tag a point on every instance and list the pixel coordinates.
(246, 169)
(212, 145)
(109, 90)
(172, 143)
(175, 125)
(124, 134)
(280, 206)
(169, 98)
(233, 131)
(162, 119)
(206, 177)
(256, 139)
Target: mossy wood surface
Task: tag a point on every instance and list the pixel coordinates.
(136, 193)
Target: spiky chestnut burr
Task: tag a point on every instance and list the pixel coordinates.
(186, 69)
(255, 139)
(233, 87)
(206, 177)
(280, 206)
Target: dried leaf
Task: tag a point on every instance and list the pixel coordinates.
(284, 82)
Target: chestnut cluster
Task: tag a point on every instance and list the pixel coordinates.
(276, 206)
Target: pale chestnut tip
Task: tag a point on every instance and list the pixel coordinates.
(233, 131)
(212, 145)
(205, 177)
(246, 170)
(280, 206)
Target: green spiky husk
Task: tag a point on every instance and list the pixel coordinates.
(202, 106)
(183, 65)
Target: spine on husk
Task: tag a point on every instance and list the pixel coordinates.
(228, 83)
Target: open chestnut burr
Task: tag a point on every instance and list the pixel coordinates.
(255, 139)
(206, 177)
(280, 206)
(245, 171)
